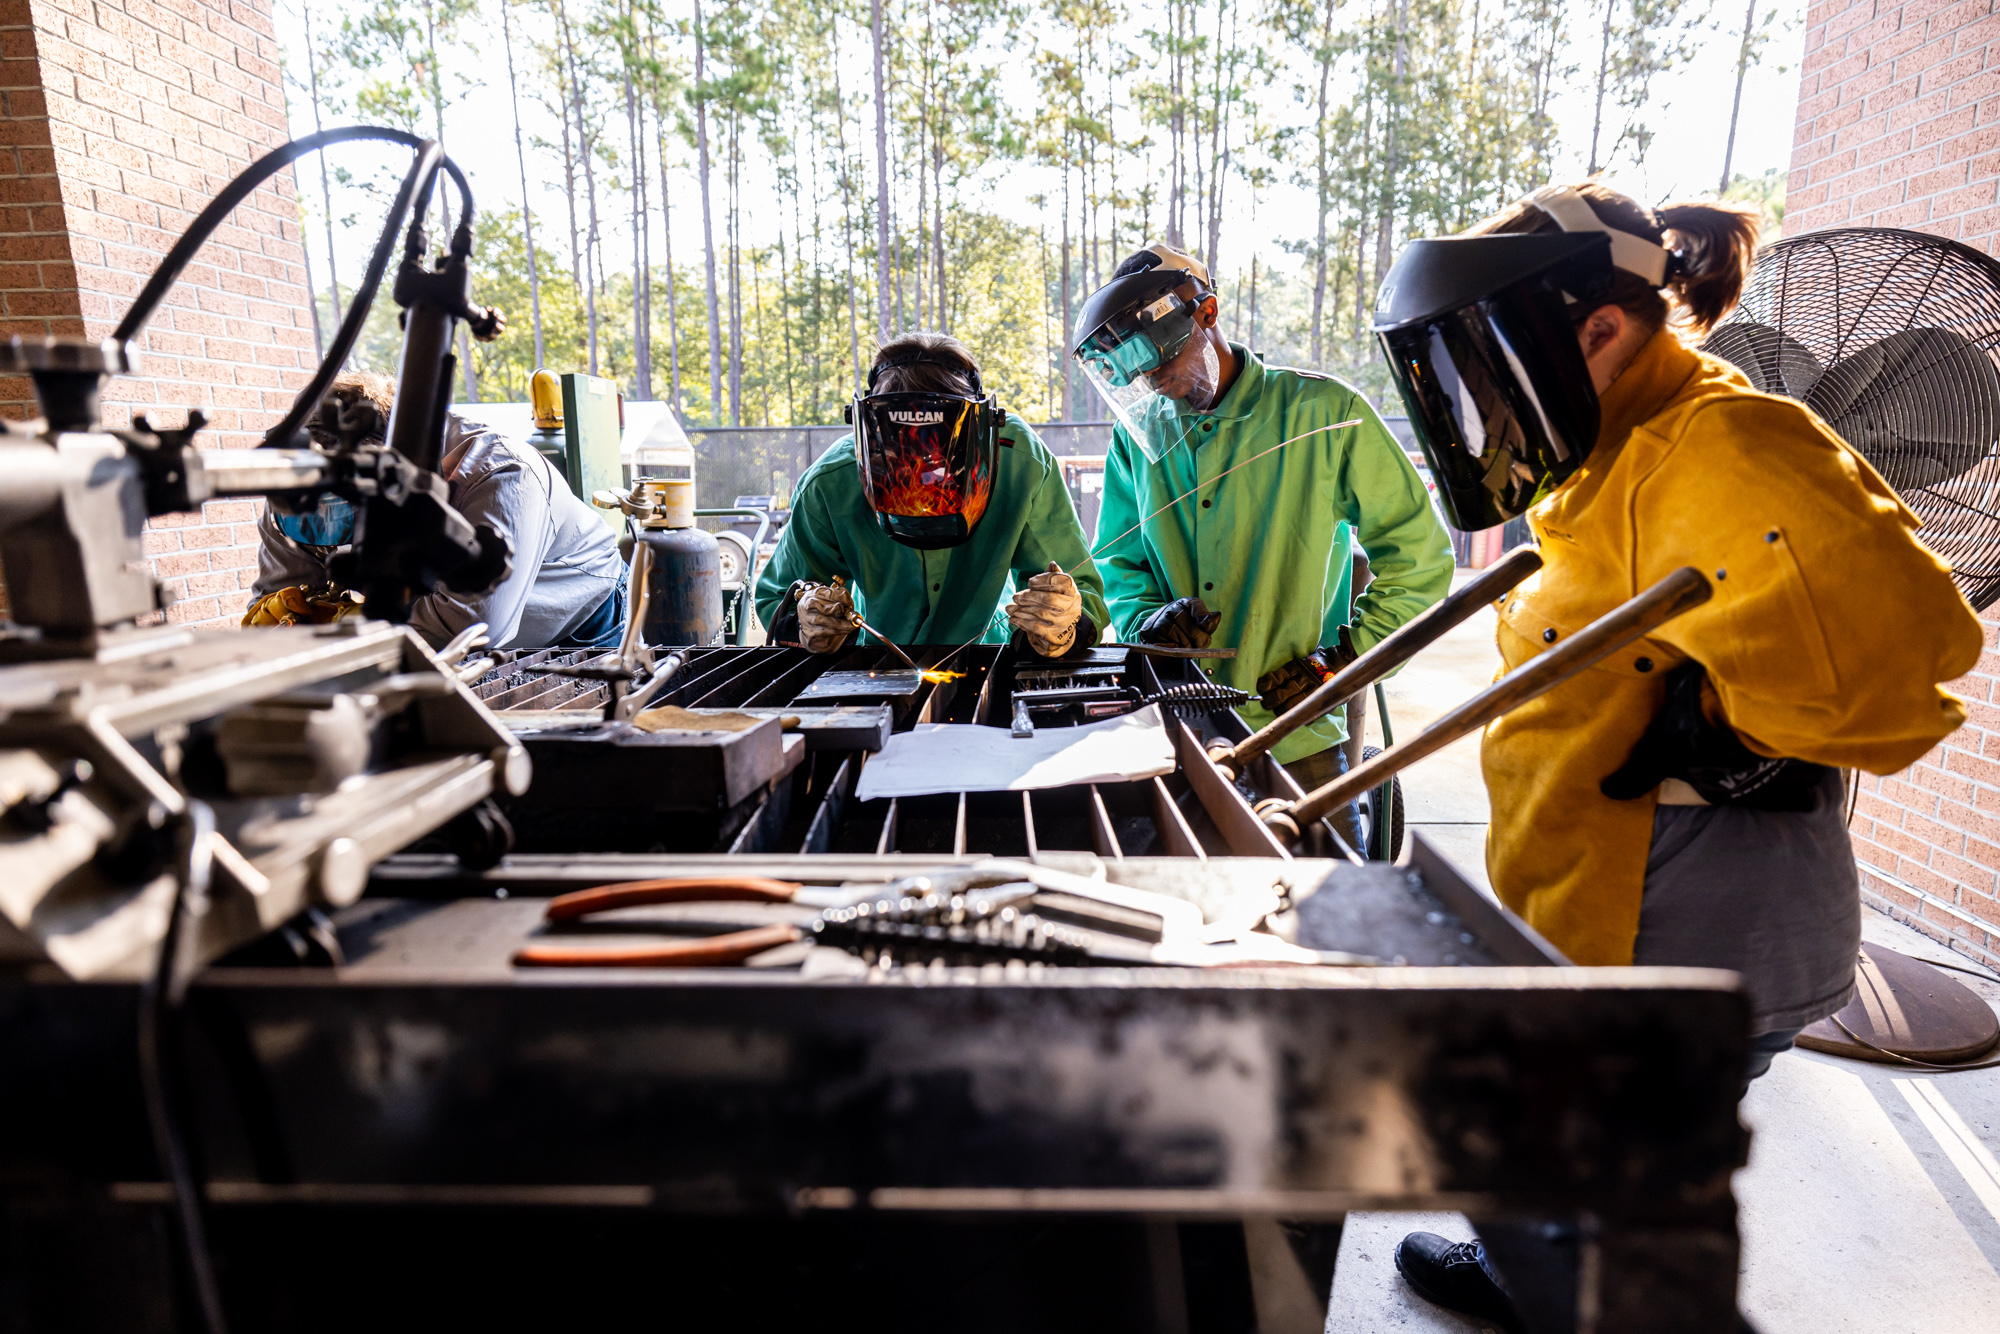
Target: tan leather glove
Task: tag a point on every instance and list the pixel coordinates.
(826, 616)
(299, 604)
(1046, 611)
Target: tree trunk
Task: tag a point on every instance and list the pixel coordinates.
(1603, 76)
(1735, 107)
(1325, 191)
(846, 200)
(1392, 129)
(642, 359)
(466, 364)
(590, 240)
(312, 296)
(667, 235)
(735, 269)
(521, 158)
(1068, 399)
(325, 190)
(881, 174)
(707, 219)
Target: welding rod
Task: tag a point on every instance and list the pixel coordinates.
(1397, 648)
(1680, 591)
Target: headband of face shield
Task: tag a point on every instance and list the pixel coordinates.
(1128, 329)
(1479, 340)
(927, 459)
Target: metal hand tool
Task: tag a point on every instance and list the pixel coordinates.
(1684, 589)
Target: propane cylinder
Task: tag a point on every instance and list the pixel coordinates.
(685, 587)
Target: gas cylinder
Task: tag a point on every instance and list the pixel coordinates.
(685, 587)
(545, 398)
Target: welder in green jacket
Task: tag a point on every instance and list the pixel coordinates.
(944, 506)
(1259, 560)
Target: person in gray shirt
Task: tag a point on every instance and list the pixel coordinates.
(565, 584)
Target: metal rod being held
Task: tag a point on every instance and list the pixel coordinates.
(891, 644)
(1396, 648)
(1071, 571)
(1684, 589)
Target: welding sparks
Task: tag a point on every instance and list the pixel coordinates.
(938, 678)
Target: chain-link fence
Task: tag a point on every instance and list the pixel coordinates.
(734, 461)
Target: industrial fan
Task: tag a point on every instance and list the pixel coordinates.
(1891, 337)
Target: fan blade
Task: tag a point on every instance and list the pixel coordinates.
(1922, 406)
(1774, 362)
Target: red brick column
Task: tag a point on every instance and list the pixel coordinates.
(1899, 126)
(119, 121)
(1928, 839)
(1899, 119)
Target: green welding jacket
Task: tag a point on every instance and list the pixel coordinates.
(936, 597)
(1270, 545)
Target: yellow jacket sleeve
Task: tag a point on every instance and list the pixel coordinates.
(1832, 626)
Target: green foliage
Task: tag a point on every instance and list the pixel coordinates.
(741, 137)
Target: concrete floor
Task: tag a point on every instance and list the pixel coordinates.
(1872, 1198)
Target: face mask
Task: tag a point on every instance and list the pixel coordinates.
(330, 524)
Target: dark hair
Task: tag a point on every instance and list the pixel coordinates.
(1716, 243)
(355, 409)
(1138, 262)
(925, 376)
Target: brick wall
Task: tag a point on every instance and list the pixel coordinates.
(119, 121)
(1899, 126)
(1899, 119)
(1928, 839)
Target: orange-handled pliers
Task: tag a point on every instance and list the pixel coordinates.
(703, 952)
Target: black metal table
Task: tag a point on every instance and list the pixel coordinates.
(973, 1148)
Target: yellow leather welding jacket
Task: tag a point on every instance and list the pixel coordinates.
(1830, 628)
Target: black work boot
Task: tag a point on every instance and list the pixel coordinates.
(1455, 1275)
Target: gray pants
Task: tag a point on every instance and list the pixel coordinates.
(1772, 895)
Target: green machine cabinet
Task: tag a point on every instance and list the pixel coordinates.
(591, 437)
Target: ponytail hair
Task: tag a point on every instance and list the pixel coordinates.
(1711, 246)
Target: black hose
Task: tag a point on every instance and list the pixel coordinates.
(160, 998)
(236, 192)
(422, 171)
(422, 176)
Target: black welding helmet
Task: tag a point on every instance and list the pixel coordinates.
(1132, 326)
(926, 459)
(1479, 339)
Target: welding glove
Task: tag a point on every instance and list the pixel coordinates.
(1683, 742)
(1182, 623)
(1046, 612)
(1283, 687)
(299, 604)
(826, 616)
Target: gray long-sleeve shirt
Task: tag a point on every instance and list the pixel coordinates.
(565, 561)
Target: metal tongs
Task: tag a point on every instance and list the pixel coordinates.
(1633, 620)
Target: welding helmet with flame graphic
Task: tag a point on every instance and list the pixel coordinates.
(926, 459)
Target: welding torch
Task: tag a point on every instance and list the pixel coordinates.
(1681, 591)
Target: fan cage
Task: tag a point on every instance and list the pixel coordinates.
(1891, 336)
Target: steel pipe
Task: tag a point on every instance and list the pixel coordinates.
(1680, 591)
(1404, 643)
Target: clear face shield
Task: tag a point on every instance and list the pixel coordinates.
(1120, 361)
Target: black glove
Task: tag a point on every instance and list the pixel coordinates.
(1281, 688)
(1182, 623)
(1709, 757)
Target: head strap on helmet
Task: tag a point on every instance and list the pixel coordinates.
(1634, 254)
(925, 358)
